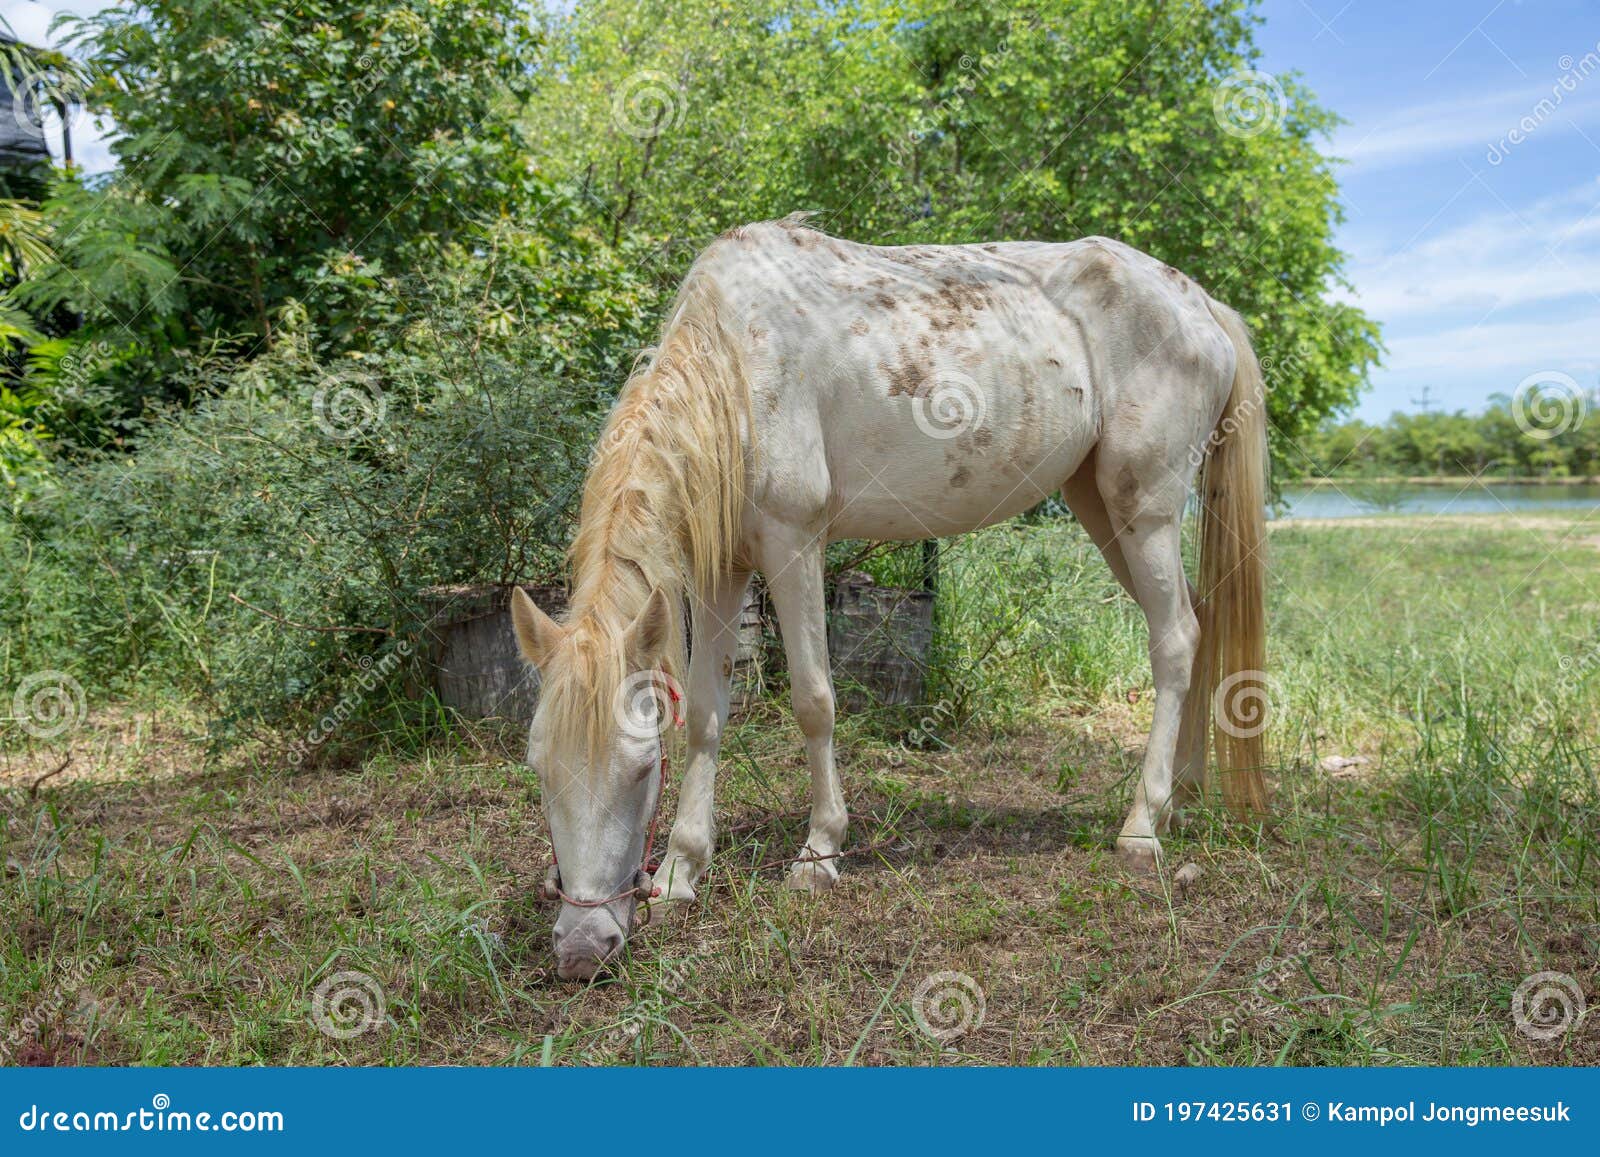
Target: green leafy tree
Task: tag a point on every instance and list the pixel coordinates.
(23, 246)
(333, 341)
(268, 151)
(1549, 432)
(923, 122)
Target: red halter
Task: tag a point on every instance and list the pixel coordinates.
(643, 887)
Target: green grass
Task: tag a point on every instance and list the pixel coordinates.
(1386, 915)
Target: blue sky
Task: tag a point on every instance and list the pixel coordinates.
(1480, 256)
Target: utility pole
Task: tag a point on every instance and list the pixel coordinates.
(1425, 404)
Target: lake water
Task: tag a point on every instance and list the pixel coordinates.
(1350, 499)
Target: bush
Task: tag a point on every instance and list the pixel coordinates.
(260, 550)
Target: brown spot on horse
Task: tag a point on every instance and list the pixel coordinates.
(908, 378)
(1101, 275)
(952, 304)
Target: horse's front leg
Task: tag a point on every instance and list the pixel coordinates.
(715, 623)
(792, 562)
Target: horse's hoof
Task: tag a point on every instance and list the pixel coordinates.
(672, 883)
(813, 876)
(1140, 854)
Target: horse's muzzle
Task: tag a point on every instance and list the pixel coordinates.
(586, 939)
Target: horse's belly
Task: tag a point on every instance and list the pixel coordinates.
(955, 457)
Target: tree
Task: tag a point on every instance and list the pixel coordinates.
(925, 122)
(22, 247)
(1547, 431)
(271, 153)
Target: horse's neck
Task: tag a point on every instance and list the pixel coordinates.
(625, 549)
(611, 588)
(628, 540)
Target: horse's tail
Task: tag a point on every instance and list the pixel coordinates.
(1229, 685)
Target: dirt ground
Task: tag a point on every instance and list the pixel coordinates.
(990, 870)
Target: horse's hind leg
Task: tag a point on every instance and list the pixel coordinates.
(792, 562)
(715, 622)
(1082, 496)
(1081, 493)
(1150, 540)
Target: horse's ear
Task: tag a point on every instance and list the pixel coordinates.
(647, 636)
(538, 635)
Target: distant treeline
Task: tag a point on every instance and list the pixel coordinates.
(1551, 433)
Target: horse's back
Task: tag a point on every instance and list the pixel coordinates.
(926, 390)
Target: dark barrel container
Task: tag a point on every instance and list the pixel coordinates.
(477, 669)
(879, 639)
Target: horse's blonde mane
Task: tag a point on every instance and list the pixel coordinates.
(660, 508)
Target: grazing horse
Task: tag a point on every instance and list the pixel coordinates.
(807, 389)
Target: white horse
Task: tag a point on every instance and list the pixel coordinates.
(807, 389)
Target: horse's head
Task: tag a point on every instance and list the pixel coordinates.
(595, 743)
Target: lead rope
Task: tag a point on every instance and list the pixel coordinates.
(643, 886)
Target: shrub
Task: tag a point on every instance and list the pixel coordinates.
(261, 548)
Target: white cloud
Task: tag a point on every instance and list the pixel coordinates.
(1477, 125)
(1516, 348)
(30, 20)
(1539, 254)
(1475, 308)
